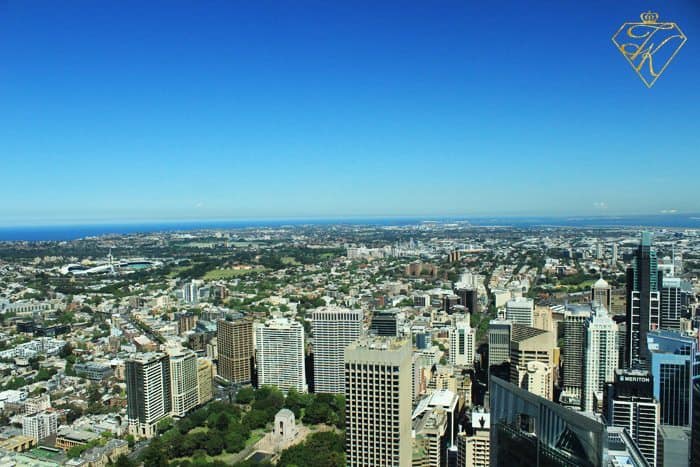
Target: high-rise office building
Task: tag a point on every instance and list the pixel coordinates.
(384, 323)
(499, 341)
(538, 379)
(462, 339)
(574, 318)
(671, 303)
(279, 346)
(378, 402)
(528, 345)
(520, 310)
(674, 446)
(629, 403)
(147, 392)
(600, 355)
(205, 388)
(695, 432)
(183, 382)
(613, 254)
(234, 337)
(643, 303)
(334, 328)
(601, 293)
(528, 430)
(674, 364)
(468, 298)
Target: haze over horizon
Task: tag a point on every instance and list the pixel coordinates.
(308, 110)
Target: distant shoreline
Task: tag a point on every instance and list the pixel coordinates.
(75, 231)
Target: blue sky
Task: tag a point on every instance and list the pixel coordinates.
(183, 110)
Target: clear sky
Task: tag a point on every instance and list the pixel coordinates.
(123, 110)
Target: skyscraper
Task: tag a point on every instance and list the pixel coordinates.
(643, 307)
(334, 328)
(461, 342)
(234, 337)
(378, 402)
(529, 431)
(205, 371)
(629, 403)
(528, 345)
(671, 304)
(674, 364)
(601, 293)
(147, 392)
(279, 345)
(538, 379)
(384, 323)
(499, 341)
(600, 355)
(468, 298)
(695, 433)
(183, 382)
(574, 319)
(520, 310)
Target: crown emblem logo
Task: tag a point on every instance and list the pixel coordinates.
(649, 45)
(649, 17)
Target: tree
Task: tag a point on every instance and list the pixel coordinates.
(215, 444)
(122, 461)
(245, 395)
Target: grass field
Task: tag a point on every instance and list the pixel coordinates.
(229, 273)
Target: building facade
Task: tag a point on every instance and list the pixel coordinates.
(334, 329)
(234, 338)
(147, 392)
(520, 311)
(600, 355)
(279, 345)
(378, 403)
(643, 303)
(462, 342)
(183, 382)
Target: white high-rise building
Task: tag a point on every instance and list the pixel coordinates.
(378, 402)
(462, 342)
(601, 356)
(279, 345)
(520, 310)
(334, 328)
(183, 377)
(40, 425)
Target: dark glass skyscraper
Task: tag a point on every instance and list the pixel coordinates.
(695, 440)
(643, 303)
(530, 431)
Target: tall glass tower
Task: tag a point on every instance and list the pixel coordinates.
(643, 303)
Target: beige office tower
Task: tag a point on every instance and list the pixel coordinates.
(378, 402)
(235, 349)
(473, 450)
(529, 345)
(205, 371)
(183, 382)
(538, 379)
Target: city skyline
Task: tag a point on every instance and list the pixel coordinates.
(244, 111)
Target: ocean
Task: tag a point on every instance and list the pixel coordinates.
(76, 231)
